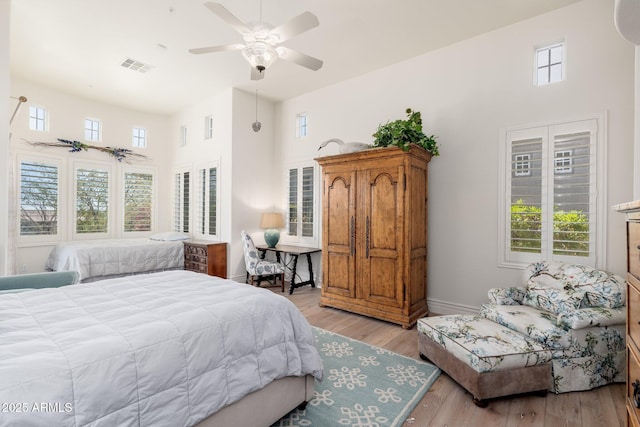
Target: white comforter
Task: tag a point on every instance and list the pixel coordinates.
(160, 349)
(106, 257)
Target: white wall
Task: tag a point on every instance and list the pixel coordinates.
(4, 132)
(66, 120)
(246, 163)
(467, 92)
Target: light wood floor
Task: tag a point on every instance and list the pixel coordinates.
(448, 404)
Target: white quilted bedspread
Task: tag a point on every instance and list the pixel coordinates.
(106, 257)
(160, 349)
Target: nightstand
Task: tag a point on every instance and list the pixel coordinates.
(206, 257)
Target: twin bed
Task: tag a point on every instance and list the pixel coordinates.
(174, 348)
(108, 258)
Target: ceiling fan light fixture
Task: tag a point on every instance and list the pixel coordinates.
(260, 55)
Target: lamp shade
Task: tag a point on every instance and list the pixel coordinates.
(272, 220)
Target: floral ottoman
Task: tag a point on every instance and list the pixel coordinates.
(487, 359)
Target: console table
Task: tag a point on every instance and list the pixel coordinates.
(294, 252)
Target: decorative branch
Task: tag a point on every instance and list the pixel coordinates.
(118, 153)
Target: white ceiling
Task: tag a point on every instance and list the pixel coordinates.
(77, 46)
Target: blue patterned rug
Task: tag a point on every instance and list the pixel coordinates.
(363, 386)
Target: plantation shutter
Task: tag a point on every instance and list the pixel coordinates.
(293, 202)
(38, 198)
(307, 202)
(551, 193)
(92, 201)
(207, 201)
(181, 202)
(138, 197)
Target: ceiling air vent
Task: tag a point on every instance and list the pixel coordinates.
(134, 65)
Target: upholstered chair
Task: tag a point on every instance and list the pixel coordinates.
(259, 269)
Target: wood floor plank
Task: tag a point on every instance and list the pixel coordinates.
(448, 404)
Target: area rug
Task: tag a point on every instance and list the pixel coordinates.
(363, 386)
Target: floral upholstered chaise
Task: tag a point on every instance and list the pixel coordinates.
(563, 331)
(576, 311)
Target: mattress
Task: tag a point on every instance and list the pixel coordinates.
(111, 257)
(160, 349)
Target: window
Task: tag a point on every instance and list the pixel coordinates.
(39, 198)
(139, 138)
(301, 202)
(183, 136)
(207, 202)
(549, 64)
(37, 118)
(301, 125)
(91, 130)
(522, 164)
(563, 161)
(208, 127)
(181, 202)
(138, 201)
(92, 200)
(552, 212)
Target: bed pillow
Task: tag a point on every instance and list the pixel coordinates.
(601, 288)
(169, 236)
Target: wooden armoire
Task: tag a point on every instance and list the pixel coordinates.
(374, 233)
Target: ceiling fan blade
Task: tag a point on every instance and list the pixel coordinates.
(300, 58)
(224, 14)
(299, 24)
(257, 75)
(211, 49)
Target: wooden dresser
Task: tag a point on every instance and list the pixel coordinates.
(632, 212)
(206, 257)
(374, 233)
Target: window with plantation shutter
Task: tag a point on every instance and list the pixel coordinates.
(301, 204)
(138, 201)
(92, 200)
(552, 211)
(207, 202)
(39, 198)
(181, 202)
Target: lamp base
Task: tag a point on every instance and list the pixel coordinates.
(271, 237)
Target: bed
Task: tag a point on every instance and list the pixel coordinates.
(108, 258)
(174, 348)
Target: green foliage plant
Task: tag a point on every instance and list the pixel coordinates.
(402, 133)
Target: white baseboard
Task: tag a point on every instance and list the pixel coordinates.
(444, 307)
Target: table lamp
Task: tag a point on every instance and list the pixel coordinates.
(272, 221)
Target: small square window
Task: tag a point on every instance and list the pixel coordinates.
(302, 122)
(91, 130)
(563, 161)
(550, 64)
(37, 118)
(208, 127)
(522, 164)
(139, 138)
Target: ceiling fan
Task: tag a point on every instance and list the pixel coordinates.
(261, 45)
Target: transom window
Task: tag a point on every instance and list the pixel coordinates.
(139, 138)
(549, 64)
(37, 118)
(302, 122)
(208, 127)
(91, 130)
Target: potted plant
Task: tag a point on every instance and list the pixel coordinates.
(402, 133)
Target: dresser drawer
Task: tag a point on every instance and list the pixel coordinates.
(194, 266)
(633, 375)
(202, 259)
(633, 310)
(634, 251)
(195, 250)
